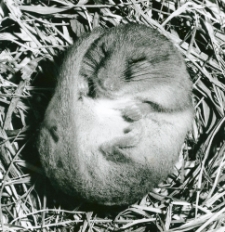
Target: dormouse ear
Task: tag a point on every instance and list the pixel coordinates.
(80, 28)
(98, 30)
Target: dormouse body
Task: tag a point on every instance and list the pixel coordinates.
(119, 115)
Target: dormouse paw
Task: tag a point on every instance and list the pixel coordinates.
(107, 148)
(132, 112)
(131, 138)
(133, 135)
(114, 153)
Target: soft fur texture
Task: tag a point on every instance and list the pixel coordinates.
(118, 118)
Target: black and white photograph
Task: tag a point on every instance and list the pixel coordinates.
(112, 115)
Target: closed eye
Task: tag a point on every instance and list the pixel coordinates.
(135, 60)
(154, 106)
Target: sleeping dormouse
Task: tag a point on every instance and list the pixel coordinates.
(119, 115)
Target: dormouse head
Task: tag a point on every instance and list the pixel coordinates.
(124, 58)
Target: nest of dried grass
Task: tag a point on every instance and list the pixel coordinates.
(33, 32)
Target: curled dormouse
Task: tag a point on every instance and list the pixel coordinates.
(119, 115)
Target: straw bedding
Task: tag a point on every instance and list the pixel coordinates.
(32, 33)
